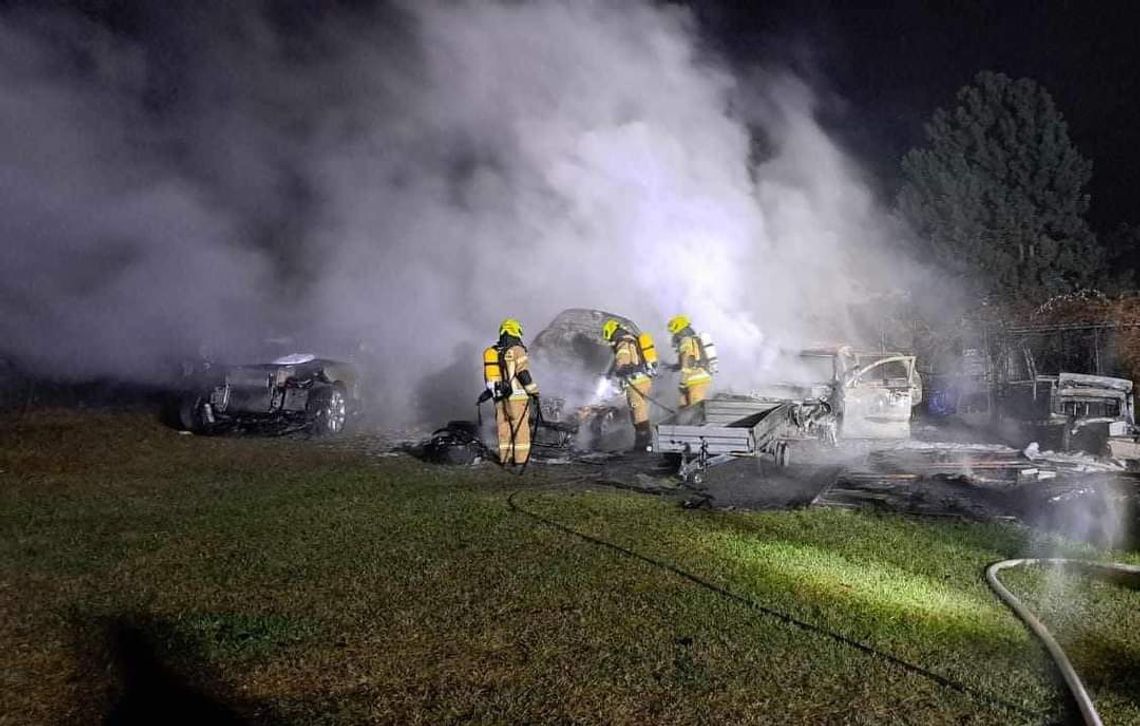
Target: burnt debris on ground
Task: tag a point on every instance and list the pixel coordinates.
(1079, 496)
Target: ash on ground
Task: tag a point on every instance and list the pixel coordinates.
(1075, 495)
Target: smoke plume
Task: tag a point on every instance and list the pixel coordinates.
(405, 177)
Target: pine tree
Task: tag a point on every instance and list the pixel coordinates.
(998, 192)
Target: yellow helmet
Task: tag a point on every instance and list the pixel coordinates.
(677, 323)
(609, 328)
(510, 326)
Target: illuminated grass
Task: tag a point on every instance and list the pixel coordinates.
(823, 573)
(1098, 625)
(864, 576)
(304, 585)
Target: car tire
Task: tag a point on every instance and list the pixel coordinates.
(189, 413)
(328, 409)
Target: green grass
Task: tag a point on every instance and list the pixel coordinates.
(1098, 625)
(305, 584)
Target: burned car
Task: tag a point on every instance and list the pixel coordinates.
(571, 357)
(870, 394)
(1074, 411)
(875, 394)
(571, 350)
(298, 392)
(1002, 389)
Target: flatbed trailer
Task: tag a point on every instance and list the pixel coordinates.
(718, 430)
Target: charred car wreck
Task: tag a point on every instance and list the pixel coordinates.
(869, 395)
(1074, 411)
(573, 356)
(299, 392)
(1004, 391)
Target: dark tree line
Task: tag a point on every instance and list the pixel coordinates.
(997, 195)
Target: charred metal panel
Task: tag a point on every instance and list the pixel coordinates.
(250, 388)
(251, 377)
(334, 371)
(1124, 448)
(872, 393)
(1066, 381)
(295, 399)
(247, 401)
(875, 413)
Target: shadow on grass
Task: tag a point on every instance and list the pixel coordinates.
(160, 675)
(1115, 667)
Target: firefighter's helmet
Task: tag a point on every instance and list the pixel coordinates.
(609, 328)
(511, 326)
(677, 323)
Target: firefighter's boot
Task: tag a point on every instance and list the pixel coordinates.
(642, 437)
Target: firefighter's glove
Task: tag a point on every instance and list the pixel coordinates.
(485, 396)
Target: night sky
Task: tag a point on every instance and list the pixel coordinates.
(887, 64)
(883, 66)
(273, 145)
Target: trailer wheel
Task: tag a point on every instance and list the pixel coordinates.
(782, 454)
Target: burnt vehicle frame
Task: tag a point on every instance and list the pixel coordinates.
(1001, 386)
(868, 394)
(291, 394)
(573, 356)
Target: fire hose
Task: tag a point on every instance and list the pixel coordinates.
(765, 610)
(653, 400)
(533, 431)
(1084, 702)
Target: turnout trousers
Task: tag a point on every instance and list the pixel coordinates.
(637, 395)
(513, 419)
(694, 393)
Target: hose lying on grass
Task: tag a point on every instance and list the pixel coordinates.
(913, 668)
(1076, 687)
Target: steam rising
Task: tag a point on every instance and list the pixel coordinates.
(407, 178)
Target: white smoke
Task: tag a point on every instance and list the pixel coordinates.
(103, 255)
(459, 162)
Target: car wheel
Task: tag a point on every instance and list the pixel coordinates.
(189, 415)
(330, 411)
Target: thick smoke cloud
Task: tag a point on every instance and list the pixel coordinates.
(407, 177)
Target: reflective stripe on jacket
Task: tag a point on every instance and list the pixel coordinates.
(689, 358)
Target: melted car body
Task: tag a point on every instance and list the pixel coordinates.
(869, 394)
(295, 392)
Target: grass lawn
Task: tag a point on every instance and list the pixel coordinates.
(288, 582)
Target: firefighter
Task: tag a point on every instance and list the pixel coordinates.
(506, 373)
(633, 366)
(694, 360)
